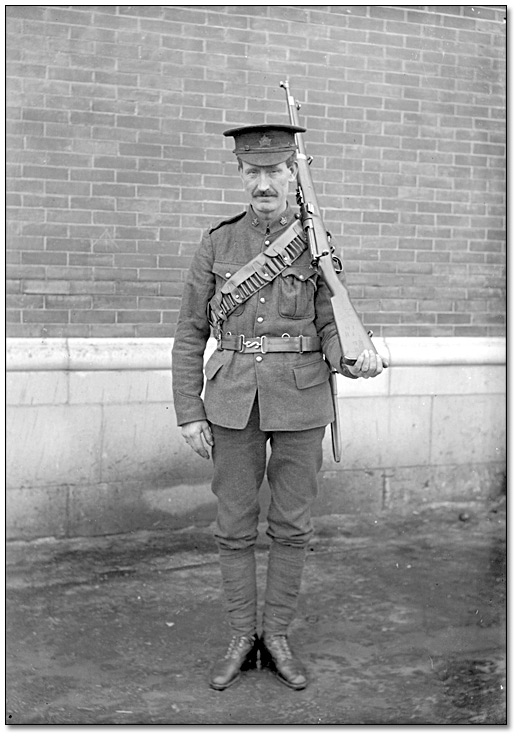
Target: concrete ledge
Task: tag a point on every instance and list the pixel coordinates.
(154, 354)
(87, 354)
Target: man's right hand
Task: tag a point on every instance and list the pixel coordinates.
(198, 434)
(368, 365)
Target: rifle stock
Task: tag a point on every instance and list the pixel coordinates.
(353, 337)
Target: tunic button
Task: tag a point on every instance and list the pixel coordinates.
(260, 320)
(267, 242)
(259, 358)
(262, 300)
(228, 274)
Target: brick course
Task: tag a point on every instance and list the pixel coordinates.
(115, 161)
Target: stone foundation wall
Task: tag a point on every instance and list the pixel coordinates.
(93, 447)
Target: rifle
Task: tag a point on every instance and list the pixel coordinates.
(353, 337)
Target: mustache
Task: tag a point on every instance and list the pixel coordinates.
(257, 193)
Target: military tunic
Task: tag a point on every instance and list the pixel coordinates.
(292, 389)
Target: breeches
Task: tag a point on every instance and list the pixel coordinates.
(240, 463)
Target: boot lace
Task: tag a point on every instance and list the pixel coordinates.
(279, 647)
(237, 645)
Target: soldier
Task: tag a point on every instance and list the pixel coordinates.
(267, 382)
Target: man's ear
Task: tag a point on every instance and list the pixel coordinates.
(293, 168)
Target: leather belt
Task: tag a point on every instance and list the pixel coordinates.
(284, 343)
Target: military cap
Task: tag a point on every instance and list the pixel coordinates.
(265, 143)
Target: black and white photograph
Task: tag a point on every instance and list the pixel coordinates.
(256, 348)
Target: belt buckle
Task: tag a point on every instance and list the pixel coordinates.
(253, 344)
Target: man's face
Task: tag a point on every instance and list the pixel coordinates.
(267, 187)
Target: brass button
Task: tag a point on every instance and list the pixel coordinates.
(260, 320)
(262, 300)
(267, 242)
(228, 274)
(259, 358)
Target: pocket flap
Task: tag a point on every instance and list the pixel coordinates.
(315, 373)
(302, 273)
(214, 363)
(225, 269)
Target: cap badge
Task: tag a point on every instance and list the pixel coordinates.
(265, 140)
(255, 222)
(283, 221)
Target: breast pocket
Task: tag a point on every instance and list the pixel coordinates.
(222, 272)
(297, 286)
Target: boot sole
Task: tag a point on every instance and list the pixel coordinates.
(223, 686)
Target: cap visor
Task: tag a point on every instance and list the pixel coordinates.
(265, 159)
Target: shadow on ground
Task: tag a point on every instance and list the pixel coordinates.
(401, 622)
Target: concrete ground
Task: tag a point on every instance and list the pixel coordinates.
(401, 622)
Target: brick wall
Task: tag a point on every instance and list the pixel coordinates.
(116, 160)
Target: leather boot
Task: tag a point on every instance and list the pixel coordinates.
(241, 655)
(276, 655)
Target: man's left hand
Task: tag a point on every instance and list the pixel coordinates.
(368, 365)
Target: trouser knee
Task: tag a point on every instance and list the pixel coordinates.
(298, 541)
(231, 545)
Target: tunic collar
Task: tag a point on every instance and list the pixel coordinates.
(275, 225)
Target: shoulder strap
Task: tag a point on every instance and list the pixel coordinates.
(257, 273)
(229, 220)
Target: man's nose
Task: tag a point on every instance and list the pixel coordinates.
(263, 182)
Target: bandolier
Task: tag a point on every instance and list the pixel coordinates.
(255, 275)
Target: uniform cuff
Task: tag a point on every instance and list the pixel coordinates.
(188, 408)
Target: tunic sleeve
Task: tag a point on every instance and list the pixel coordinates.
(192, 333)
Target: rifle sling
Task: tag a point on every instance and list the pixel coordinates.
(257, 273)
